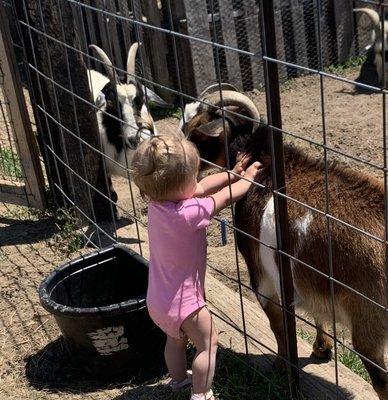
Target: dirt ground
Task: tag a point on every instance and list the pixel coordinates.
(31, 246)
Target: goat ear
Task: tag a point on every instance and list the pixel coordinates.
(213, 128)
(152, 96)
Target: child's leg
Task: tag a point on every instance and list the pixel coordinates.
(200, 329)
(175, 356)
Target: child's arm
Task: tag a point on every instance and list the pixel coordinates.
(237, 190)
(213, 183)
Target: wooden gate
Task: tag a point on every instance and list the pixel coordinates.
(21, 176)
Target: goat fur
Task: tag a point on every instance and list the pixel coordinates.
(358, 261)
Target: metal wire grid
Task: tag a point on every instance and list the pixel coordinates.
(10, 166)
(219, 50)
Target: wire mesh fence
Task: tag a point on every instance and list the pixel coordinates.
(10, 167)
(328, 222)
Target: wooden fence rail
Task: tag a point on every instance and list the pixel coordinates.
(233, 24)
(29, 189)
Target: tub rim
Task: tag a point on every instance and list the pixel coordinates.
(135, 304)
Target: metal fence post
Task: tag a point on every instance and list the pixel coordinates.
(279, 185)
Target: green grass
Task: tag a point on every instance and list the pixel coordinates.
(237, 378)
(68, 234)
(10, 164)
(352, 62)
(353, 362)
(161, 113)
(345, 356)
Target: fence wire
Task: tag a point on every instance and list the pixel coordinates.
(10, 167)
(187, 46)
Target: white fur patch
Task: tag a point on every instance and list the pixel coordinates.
(190, 112)
(271, 280)
(302, 225)
(270, 283)
(97, 82)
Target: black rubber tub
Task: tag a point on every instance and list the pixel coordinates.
(99, 304)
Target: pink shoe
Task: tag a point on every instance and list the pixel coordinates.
(202, 396)
(177, 386)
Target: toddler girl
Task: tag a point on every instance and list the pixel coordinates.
(165, 168)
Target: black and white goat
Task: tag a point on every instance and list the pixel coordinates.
(123, 116)
(358, 260)
(371, 72)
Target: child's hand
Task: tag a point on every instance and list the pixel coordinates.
(253, 171)
(242, 161)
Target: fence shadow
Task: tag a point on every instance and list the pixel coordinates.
(54, 369)
(239, 377)
(109, 232)
(18, 231)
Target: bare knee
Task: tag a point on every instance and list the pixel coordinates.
(201, 330)
(179, 344)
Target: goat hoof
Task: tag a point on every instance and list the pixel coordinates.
(323, 351)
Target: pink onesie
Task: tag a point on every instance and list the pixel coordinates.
(177, 238)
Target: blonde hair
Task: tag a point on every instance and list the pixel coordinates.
(163, 164)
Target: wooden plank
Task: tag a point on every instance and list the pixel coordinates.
(18, 114)
(89, 33)
(201, 53)
(90, 28)
(252, 24)
(281, 53)
(298, 28)
(11, 187)
(318, 379)
(158, 48)
(143, 58)
(12, 198)
(125, 25)
(343, 16)
(185, 62)
(102, 29)
(327, 41)
(79, 23)
(114, 37)
(230, 38)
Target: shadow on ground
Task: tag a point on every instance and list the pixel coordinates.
(237, 377)
(107, 233)
(18, 231)
(55, 369)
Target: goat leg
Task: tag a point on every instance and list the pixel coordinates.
(369, 341)
(323, 345)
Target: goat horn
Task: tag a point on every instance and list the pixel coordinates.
(216, 87)
(230, 98)
(112, 75)
(373, 16)
(131, 61)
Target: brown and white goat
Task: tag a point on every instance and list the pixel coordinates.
(358, 261)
